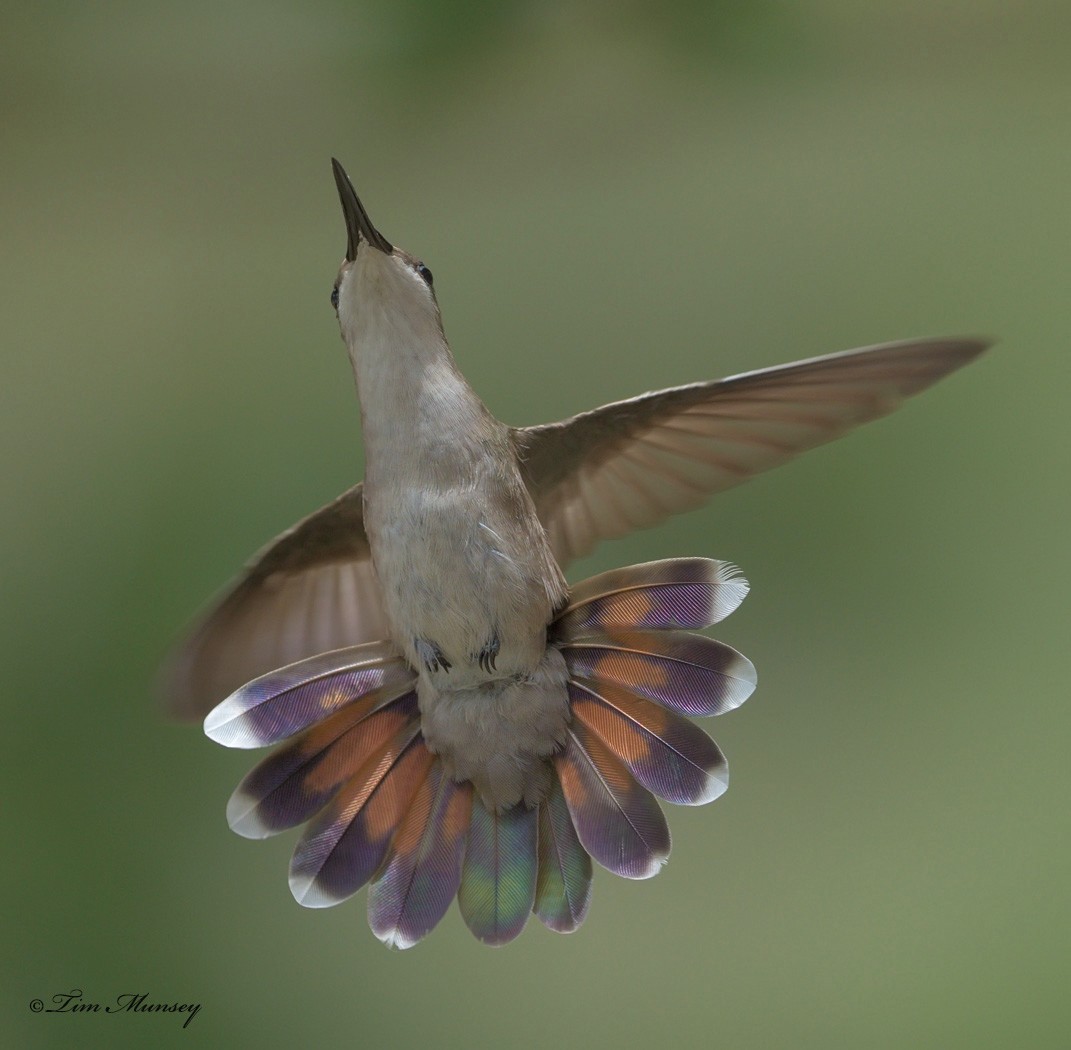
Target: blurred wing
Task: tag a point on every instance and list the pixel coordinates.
(631, 464)
(311, 590)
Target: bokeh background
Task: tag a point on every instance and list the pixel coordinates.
(613, 197)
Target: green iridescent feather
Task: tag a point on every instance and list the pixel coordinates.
(499, 878)
(563, 883)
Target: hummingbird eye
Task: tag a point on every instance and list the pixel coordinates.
(334, 297)
(425, 273)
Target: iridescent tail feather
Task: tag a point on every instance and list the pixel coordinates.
(498, 885)
(381, 810)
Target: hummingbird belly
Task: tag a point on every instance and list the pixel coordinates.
(470, 611)
(499, 735)
(465, 604)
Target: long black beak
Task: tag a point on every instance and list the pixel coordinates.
(358, 224)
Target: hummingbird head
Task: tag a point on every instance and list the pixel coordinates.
(382, 294)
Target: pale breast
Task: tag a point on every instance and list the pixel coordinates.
(464, 583)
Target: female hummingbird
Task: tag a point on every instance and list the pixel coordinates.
(457, 721)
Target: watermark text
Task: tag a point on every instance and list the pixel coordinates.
(75, 1002)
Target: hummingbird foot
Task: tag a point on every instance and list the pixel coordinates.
(431, 656)
(487, 656)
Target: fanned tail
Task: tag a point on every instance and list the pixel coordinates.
(634, 671)
(676, 593)
(618, 822)
(298, 779)
(344, 845)
(684, 672)
(563, 883)
(668, 755)
(413, 890)
(498, 884)
(283, 702)
(382, 810)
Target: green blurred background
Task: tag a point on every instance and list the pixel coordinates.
(612, 200)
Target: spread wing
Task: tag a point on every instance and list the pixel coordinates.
(630, 464)
(311, 590)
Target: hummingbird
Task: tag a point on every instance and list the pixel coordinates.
(453, 719)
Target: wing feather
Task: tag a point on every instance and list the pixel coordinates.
(311, 590)
(633, 463)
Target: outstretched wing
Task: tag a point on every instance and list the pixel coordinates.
(311, 590)
(630, 464)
